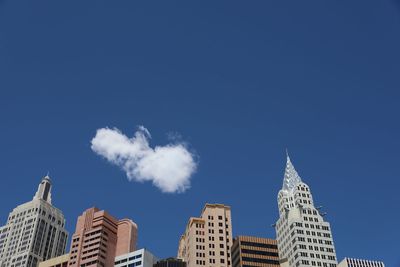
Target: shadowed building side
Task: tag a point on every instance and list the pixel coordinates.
(170, 262)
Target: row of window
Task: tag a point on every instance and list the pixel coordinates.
(260, 245)
(132, 264)
(260, 252)
(314, 263)
(258, 260)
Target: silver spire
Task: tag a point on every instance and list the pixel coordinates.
(291, 178)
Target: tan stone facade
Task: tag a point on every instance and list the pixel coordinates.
(61, 261)
(127, 236)
(254, 251)
(99, 238)
(207, 240)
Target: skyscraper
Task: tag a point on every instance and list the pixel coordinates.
(207, 240)
(304, 237)
(99, 238)
(254, 251)
(34, 231)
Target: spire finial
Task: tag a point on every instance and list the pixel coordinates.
(44, 189)
(47, 177)
(291, 177)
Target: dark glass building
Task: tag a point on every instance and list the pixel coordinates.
(170, 262)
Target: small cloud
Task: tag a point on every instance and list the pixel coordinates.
(174, 137)
(168, 167)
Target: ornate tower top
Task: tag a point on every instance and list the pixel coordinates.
(44, 189)
(291, 178)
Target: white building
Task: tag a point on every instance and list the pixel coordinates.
(34, 231)
(348, 262)
(139, 258)
(304, 238)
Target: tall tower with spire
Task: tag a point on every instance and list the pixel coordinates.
(35, 231)
(304, 237)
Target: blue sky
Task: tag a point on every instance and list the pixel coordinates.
(239, 81)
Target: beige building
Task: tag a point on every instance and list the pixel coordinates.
(207, 240)
(61, 261)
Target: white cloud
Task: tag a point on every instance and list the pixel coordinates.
(168, 167)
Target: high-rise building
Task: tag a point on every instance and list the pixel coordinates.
(207, 240)
(250, 251)
(138, 258)
(170, 262)
(61, 261)
(349, 262)
(304, 237)
(99, 238)
(35, 231)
